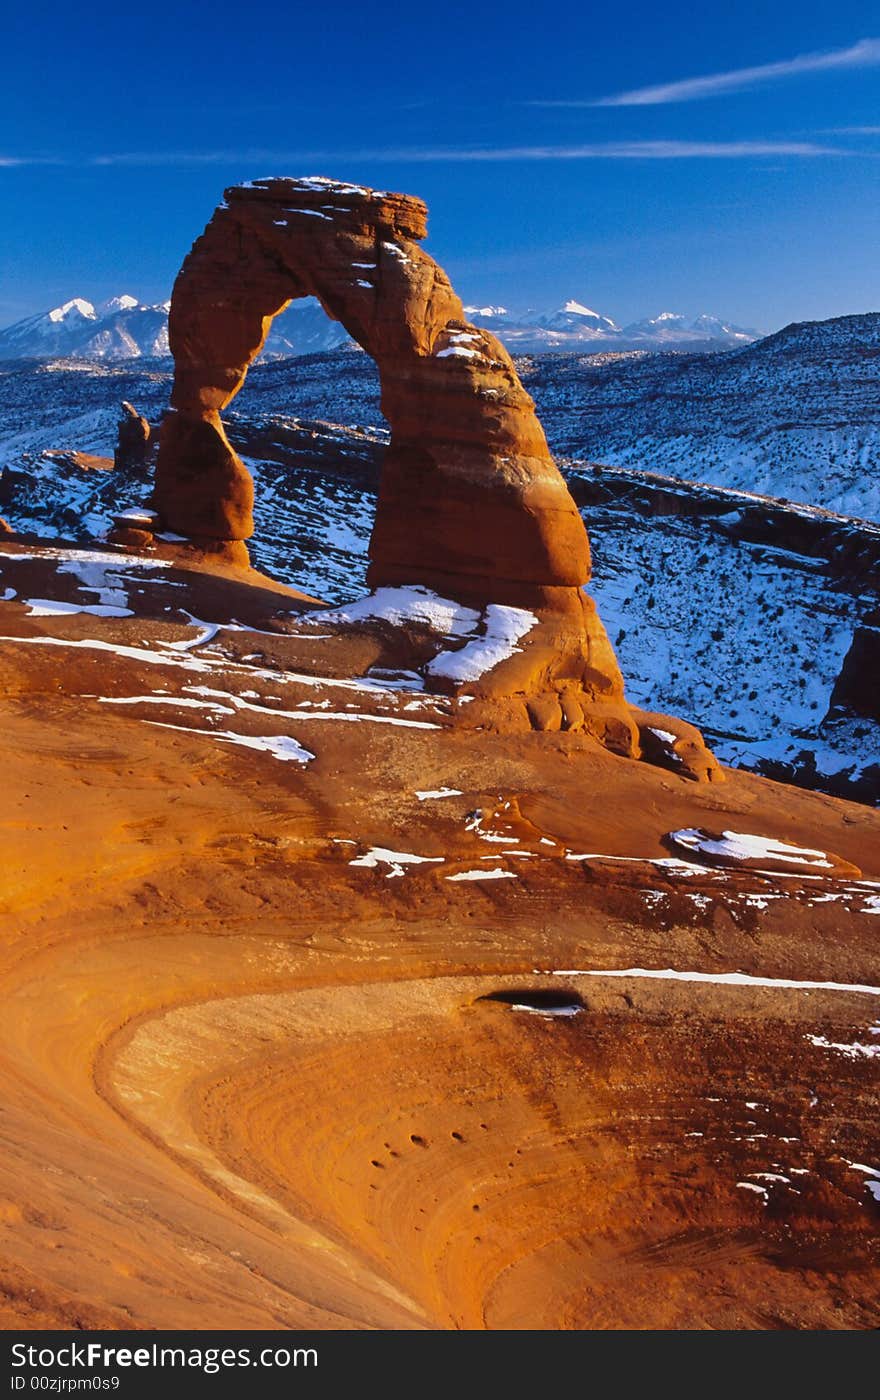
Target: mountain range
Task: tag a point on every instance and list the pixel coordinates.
(125, 329)
(573, 326)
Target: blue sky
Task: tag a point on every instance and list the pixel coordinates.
(639, 158)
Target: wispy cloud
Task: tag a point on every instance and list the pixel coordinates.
(608, 150)
(420, 155)
(13, 162)
(864, 54)
(631, 150)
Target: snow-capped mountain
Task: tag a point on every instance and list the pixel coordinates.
(52, 332)
(572, 316)
(120, 303)
(128, 332)
(672, 330)
(304, 329)
(487, 313)
(722, 330)
(667, 323)
(121, 329)
(573, 326)
(124, 328)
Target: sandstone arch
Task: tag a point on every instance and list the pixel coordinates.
(470, 497)
(471, 502)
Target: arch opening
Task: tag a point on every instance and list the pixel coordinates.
(311, 433)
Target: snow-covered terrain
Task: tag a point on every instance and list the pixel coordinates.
(797, 415)
(726, 608)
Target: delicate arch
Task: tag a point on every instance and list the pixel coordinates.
(470, 499)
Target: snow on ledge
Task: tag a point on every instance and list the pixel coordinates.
(54, 607)
(718, 979)
(280, 746)
(754, 1186)
(490, 637)
(139, 517)
(458, 352)
(854, 1050)
(484, 875)
(321, 183)
(407, 604)
(664, 735)
(740, 846)
(505, 628)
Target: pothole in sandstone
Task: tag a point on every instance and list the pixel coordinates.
(539, 1001)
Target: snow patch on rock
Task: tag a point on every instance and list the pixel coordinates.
(740, 846)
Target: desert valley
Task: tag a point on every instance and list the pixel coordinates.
(418, 914)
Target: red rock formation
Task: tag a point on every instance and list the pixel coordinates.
(133, 445)
(471, 503)
(470, 497)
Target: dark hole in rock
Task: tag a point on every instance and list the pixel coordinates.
(540, 1001)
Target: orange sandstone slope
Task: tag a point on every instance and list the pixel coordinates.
(325, 1007)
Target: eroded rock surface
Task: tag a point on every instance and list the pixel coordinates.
(610, 1085)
